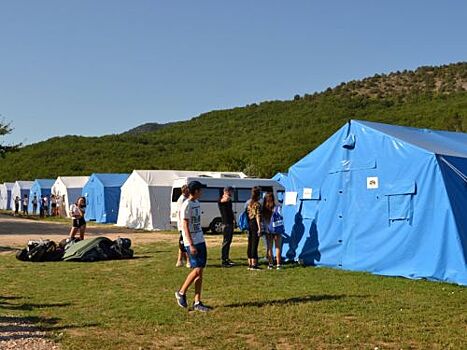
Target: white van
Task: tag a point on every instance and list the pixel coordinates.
(210, 215)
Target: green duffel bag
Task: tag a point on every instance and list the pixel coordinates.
(92, 249)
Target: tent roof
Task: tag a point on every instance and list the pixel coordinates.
(434, 141)
(73, 181)
(24, 184)
(111, 180)
(45, 183)
(8, 185)
(166, 177)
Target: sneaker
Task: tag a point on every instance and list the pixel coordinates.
(270, 266)
(255, 268)
(179, 264)
(279, 267)
(227, 263)
(199, 306)
(181, 299)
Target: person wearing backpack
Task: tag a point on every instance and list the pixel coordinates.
(255, 228)
(77, 211)
(272, 220)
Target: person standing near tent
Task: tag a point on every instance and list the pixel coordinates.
(182, 254)
(228, 220)
(193, 239)
(77, 213)
(25, 204)
(17, 200)
(273, 238)
(34, 204)
(255, 230)
(45, 205)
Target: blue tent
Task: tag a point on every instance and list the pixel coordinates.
(102, 192)
(40, 187)
(386, 199)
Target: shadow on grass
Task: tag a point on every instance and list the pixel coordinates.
(7, 249)
(282, 302)
(17, 327)
(29, 306)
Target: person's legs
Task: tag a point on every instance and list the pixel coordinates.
(269, 240)
(73, 232)
(192, 276)
(198, 286)
(277, 243)
(250, 248)
(254, 252)
(228, 234)
(82, 230)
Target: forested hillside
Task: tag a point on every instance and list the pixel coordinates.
(259, 139)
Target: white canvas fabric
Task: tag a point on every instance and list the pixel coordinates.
(146, 196)
(5, 195)
(20, 188)
(70, 187)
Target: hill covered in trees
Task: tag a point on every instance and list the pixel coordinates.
(259, 139)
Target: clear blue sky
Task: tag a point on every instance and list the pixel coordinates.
(94, 67)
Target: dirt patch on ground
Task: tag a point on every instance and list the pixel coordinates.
(22, 333)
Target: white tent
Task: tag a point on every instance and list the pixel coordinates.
(146, 196)
(69, 188)
(20, 188)
(5, 195)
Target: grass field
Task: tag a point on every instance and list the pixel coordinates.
(130, 305)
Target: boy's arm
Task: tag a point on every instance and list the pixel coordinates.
(186, 227)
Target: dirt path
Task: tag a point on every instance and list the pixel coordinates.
(15, 232)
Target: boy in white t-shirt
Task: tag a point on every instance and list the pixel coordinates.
(193, 239)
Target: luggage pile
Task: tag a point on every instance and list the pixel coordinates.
(88, 250)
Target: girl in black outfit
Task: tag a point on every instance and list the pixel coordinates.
(255, 231)
(77, 213)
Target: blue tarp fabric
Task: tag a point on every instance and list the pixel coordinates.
(102, 192)
(40, 187)
(380, 198)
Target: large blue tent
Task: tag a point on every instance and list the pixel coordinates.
(40, 187)
(102, 192)
(386, 199)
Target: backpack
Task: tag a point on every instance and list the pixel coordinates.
(243, 221)
(276, 225)
(41, 250)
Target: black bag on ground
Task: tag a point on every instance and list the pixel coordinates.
(41, 250)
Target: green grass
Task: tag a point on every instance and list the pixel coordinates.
(130, 305)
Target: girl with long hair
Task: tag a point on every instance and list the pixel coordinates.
(269, 206)
(255, 230)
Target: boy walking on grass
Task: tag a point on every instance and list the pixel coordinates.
(193, 239)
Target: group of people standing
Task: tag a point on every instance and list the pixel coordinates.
(192, 245)
(46, 205)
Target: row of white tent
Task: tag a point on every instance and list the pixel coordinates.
(140, 202)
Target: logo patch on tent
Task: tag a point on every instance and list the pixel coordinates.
(307, 193)
(372, 182)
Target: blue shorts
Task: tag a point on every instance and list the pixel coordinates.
(198, 259)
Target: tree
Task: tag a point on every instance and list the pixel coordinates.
(5, 129)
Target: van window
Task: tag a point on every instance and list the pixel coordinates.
(211, 194)
(176, 193)
(280, 196)
(242, 195)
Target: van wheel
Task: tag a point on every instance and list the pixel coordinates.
(216, 225)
